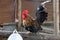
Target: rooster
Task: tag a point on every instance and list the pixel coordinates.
(41, 15)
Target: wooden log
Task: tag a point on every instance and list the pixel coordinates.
(19, 14)
(56, 16)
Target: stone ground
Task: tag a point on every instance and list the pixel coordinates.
(41, 36)
(37, 36)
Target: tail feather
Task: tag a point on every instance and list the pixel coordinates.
(43, 4)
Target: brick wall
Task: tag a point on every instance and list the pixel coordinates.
(6, 11)
(31, 6)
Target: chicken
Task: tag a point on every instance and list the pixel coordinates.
(41, 15)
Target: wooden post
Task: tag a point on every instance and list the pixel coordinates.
(56, 16)
(19, 14)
